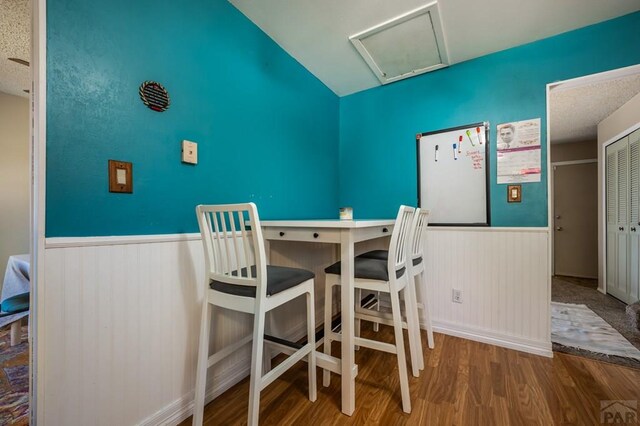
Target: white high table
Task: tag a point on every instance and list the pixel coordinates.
(346, 233)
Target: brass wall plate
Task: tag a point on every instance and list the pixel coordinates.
(514, 193)
(120, 176)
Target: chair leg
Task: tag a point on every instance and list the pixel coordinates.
(203, 362)
(376, 325)
(268, 354)
(416, 318)
(311, 338)
(412, 328)
(357, 322)
(426, 312)
(16, 332)
(402, 362)
(255, 383)
(328, 301)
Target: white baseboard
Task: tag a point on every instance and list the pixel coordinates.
(182, 408)
(535, 347)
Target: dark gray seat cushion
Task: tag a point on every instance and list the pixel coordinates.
(384, 255)
(372, 269)
(279, 278)
(376, 254)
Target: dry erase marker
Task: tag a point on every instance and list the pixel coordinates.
(436, 152)
(455, 151)
(460, 144)
(480, 136)
(469, 136)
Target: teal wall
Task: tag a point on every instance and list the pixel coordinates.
(267, 130)
(378, 126)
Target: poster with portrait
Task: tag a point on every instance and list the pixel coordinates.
(519, 154)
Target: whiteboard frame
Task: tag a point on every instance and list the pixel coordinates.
(487, 162)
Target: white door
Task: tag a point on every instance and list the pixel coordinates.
(617, 218)
(634, 216)
(575, 204)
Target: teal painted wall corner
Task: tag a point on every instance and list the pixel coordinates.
(378, 126)
(266, 128)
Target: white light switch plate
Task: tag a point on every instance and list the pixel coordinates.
(189, 152)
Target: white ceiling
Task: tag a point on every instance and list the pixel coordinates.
(15, 42)
(576, 111)
(316, 32)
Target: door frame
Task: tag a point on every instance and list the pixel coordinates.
(38, 132)
(552, 199)
(569, 84)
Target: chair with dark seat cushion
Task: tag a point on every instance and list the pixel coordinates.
(279, 278)
(238, 278)
(371, 269)
(376, 254)
(416, 254)
(384, 255)
(379, 276)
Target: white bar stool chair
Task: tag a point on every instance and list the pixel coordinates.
(237, 277)
(418, 235)
(388, 277)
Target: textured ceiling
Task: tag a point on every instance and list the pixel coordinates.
(15, 42)
(316, 32)
(575, 112)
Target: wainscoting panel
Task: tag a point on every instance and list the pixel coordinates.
(504, 276)
(121, 315)
(121, 332)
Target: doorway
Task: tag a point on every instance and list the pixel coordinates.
(586, 320)
(575, 232)
(15, 211)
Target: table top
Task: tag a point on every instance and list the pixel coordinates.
(328, 223)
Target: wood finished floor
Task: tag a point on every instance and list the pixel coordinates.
(464, 383)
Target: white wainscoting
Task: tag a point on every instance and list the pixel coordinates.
(121, 319)
(504, 274)
(121, 315)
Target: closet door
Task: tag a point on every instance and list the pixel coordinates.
(634, 217)
(617, 218)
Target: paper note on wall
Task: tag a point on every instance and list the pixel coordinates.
(519, 153)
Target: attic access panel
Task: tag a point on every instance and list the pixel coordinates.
(403, 47)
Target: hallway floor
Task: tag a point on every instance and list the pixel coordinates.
(585, 292)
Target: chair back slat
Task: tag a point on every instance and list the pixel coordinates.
(233, 253)
(240, 260)
(397, 246)
(227, 248)
(221, 265)
(248, 254)
(418, 233)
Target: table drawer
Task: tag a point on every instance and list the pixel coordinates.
(302, 234)
(364, 234)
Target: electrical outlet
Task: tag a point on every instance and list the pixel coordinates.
(456, 296)
(189, 152)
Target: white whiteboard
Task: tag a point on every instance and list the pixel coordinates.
(455, 191)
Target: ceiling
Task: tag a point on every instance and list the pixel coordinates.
(576, 111)
(316, 33)
(15, 42)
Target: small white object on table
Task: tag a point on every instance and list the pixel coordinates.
(345, 233)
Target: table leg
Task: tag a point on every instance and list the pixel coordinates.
(347, 316)
(268, 354)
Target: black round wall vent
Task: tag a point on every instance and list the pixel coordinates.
(154, 95)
